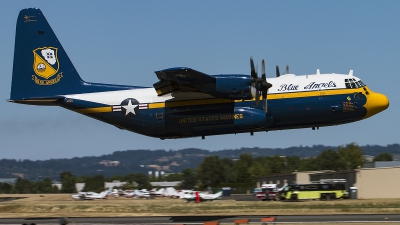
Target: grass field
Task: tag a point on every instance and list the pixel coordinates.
(57, 205)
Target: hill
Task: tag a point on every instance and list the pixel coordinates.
(132, 161)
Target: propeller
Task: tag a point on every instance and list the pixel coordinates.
(260, 84)
(278, 74)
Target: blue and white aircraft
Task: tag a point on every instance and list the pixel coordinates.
(185, 102)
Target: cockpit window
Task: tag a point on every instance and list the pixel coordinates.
(352, 83)
(347, 82)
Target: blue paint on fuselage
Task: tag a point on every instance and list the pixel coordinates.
(224, 118)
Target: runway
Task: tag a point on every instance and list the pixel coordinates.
(353, 218)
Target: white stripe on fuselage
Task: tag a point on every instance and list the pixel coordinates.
(283, 84)
(143, 95)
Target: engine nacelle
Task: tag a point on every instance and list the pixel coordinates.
(233, 86)
(250, 117)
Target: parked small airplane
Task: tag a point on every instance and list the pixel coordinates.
(201, 197)
(90, 195)
(138, 194)
(158, 193)
(185, 102)
(171, 192)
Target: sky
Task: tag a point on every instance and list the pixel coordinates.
(124, 42)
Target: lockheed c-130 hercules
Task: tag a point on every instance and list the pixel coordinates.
(185, 102)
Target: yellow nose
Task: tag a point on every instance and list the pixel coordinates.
(376, 103)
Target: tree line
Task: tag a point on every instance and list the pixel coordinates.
(130, 161)
(212, 171)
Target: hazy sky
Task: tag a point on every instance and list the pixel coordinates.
(124, 42)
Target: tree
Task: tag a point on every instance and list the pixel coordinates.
(189, 180)
(142, 181)
(128, 186)
(242, 166)
(95, 183)
(55, 189)
(6, 188)
(114, 177)
(293, 163)
(384, 156)
(309, 164)
(229, 170)
(23, 186)
(352, 155)
(45, 186)
(172, 177)
(81, 179)
(210, 171)
(256, 170)
(68, 182)
(129, 178)
(330, 160)
(277, 164)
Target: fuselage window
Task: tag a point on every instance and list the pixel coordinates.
(347, 83)
(352, 83)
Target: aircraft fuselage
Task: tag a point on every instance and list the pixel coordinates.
(293, 102)
(184, 102)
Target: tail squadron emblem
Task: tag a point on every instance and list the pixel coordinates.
(45, 65)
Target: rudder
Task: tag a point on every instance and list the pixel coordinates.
(42, 68)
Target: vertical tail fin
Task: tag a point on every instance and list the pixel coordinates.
(41, 67)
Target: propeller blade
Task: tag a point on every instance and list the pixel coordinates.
(287, 69)
(263, 76)
(253, 71)
(264, 95)
(257, 95)
(257, 71)
(278, 74)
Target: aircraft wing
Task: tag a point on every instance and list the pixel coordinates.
(184, 80)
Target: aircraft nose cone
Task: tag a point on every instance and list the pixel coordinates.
(376, 103)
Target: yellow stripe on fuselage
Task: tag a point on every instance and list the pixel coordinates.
(95, 110)
(274, 96)
(156, 105)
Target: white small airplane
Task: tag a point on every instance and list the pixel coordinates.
(184, 193)
(138, 194)
(114, 192)
(159, 192)
(171, 192)
(90, 195)
(202, 197)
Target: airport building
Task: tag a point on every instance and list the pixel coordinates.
(370, 183)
